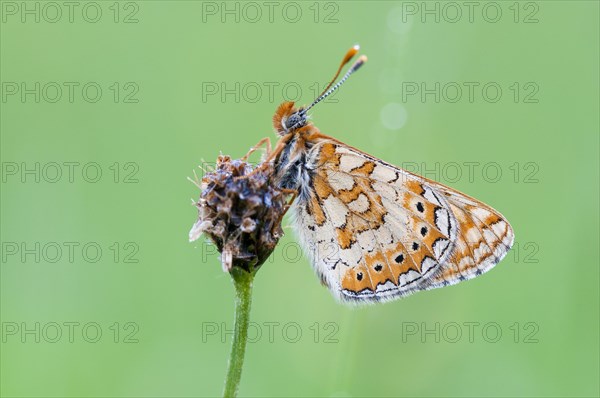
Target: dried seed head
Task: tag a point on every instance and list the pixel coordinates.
(248, 225)
(242, 216)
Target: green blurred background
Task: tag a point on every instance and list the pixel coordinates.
(164, 306)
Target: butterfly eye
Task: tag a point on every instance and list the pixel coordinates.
(295, 121)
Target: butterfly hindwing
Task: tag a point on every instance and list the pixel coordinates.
(376, 232)
(484, 239)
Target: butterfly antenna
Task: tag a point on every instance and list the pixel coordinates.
(349, 55)
(329, 89)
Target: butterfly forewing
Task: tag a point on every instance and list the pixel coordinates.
(376, 232)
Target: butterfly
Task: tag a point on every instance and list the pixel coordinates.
(375, 232)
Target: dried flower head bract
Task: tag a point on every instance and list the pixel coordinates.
(240, 211)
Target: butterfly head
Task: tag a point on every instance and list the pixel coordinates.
(288, 118)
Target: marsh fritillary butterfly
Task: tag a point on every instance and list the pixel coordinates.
(375, 232)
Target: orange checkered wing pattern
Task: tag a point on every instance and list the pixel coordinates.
(376, 232)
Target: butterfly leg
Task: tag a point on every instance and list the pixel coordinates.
(256, 147)
(287, 206)
(271, 155)
(294, 194)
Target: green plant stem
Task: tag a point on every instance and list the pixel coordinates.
(242, 281)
